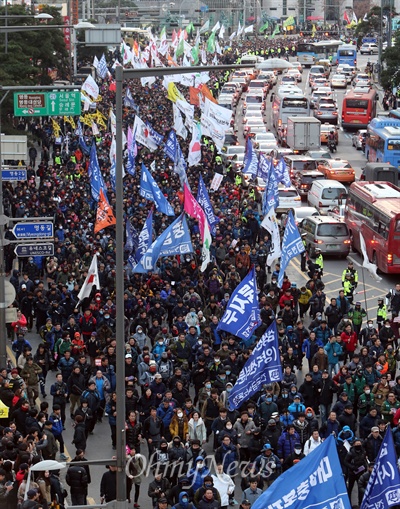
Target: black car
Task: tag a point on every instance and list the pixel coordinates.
(303, 181)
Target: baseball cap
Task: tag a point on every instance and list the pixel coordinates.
(375, 429)
(128, 356)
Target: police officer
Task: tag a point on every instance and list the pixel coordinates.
(319, 261)
(303, 258)
(348, 287)
(381, 313)
(353, 272)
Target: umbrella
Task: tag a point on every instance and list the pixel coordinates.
(41, 467)
(274, 63)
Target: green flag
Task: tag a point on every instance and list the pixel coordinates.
(264, 27)
(180, 49)
(289, 22)
(275, 32)
(195, 54)
(211, 43)
(163, 33)
(190, 28)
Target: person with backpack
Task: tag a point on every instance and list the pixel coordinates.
(77, 480)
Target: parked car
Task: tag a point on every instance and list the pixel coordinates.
(328, 234)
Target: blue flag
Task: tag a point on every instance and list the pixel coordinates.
(145, 238)
(315, 482)
(129, 237)
(174, 240)
(292, 245)
(262, 367)
(82, 143)
(171, 146)
(282, 173)
(204, 201)
(128, 100)
(271, 194)
(250, 163)
(383, 488)
(132, 151)
(264, 167)
(95, 176)
(149, 189)
(242, 314)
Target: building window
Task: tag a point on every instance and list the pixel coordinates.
(284, 8)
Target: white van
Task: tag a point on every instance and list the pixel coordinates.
(324, 194)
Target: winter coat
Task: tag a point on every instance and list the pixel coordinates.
(199, 431)
(226, 455)
(286, 444)
(241, 428)
(331, 349)
(196, 476)
(225, 486)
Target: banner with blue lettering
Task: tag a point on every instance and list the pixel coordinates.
(174, 240)
(292, 245)
(145, 237)
(149, 189)
(203, 200)
(82, 143)
(95, 176)
(242, 313)
(171, 145)
(383, 488)
(270, 198)
(157, 137)
(250, 163)
(282, 173)
(264, 167)
(262, 367)
(315, 482)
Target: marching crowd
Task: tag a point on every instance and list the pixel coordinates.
(179, 368)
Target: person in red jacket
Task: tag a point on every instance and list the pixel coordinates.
(349, 339)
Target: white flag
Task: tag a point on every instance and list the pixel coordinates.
(92, 279)
(143, 134)
(178, 123)
(239, 30)
(232, 36)
(95, 62)
(221, 32)
(194, 155)
(91, 87)
(270, 223)
(216, 27)
(205, 252)
(371, 267)
(248, 30)
(95, 129)
(205, 27)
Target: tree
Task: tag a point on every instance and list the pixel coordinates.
(390, 75)
(369, 25)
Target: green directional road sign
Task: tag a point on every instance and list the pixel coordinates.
(47, 103)
(64, 103)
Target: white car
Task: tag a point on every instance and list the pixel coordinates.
(289, 198)
(338, 81)
(265, 137)
(266, 147)
(231, 151)
(299, 215)
(252, 122)
(296, 73)
(369, 48)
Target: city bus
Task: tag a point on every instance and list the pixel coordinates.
(310, 52)
(393, 114)
(373, 209)
(382, 143)
(347, 54)
(358, 109)
(288, 104)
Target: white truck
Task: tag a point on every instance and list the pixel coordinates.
(303, 133)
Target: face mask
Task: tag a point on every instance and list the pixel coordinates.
(216, 361)
(357, 448)
(222, 377)
(269, 399)
(200, 465)
(387, 326)
(309, 414)
(160, 343)
(370, 325)
(185, 500)
(208, 386)
(229, 426)
(208, 485)
(180, 414)
(297, 451)
(228, 372)
(285, 395)
(368, 392)
(106, 317)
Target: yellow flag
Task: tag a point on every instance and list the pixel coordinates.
(72, 122)
(173, 93)
(313, 31)
(56, 127)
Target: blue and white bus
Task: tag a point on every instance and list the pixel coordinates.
(382, 143)
(308, 53)
(347, 54)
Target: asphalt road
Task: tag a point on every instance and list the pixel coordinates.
(99, 444)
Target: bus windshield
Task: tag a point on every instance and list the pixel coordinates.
(346, 52)
(292, 102)
(393, 144)
(357, 103)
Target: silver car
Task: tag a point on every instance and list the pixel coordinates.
(329, 234)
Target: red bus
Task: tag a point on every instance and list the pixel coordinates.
(358, 109)
(373, 209)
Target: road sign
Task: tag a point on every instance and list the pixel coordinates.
(369, 39)
(64, 103)
(32, 104)
(9, 295)
(27, 230)
(47, 103)
(44, 249)
(13, 175)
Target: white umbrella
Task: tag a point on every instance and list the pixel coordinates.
(41, 467)
(274, 63)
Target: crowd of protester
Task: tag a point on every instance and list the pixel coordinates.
(179, 368)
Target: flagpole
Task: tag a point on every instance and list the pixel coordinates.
(119, 285)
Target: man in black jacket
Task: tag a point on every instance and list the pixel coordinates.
(77, 479)
(108, 485)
